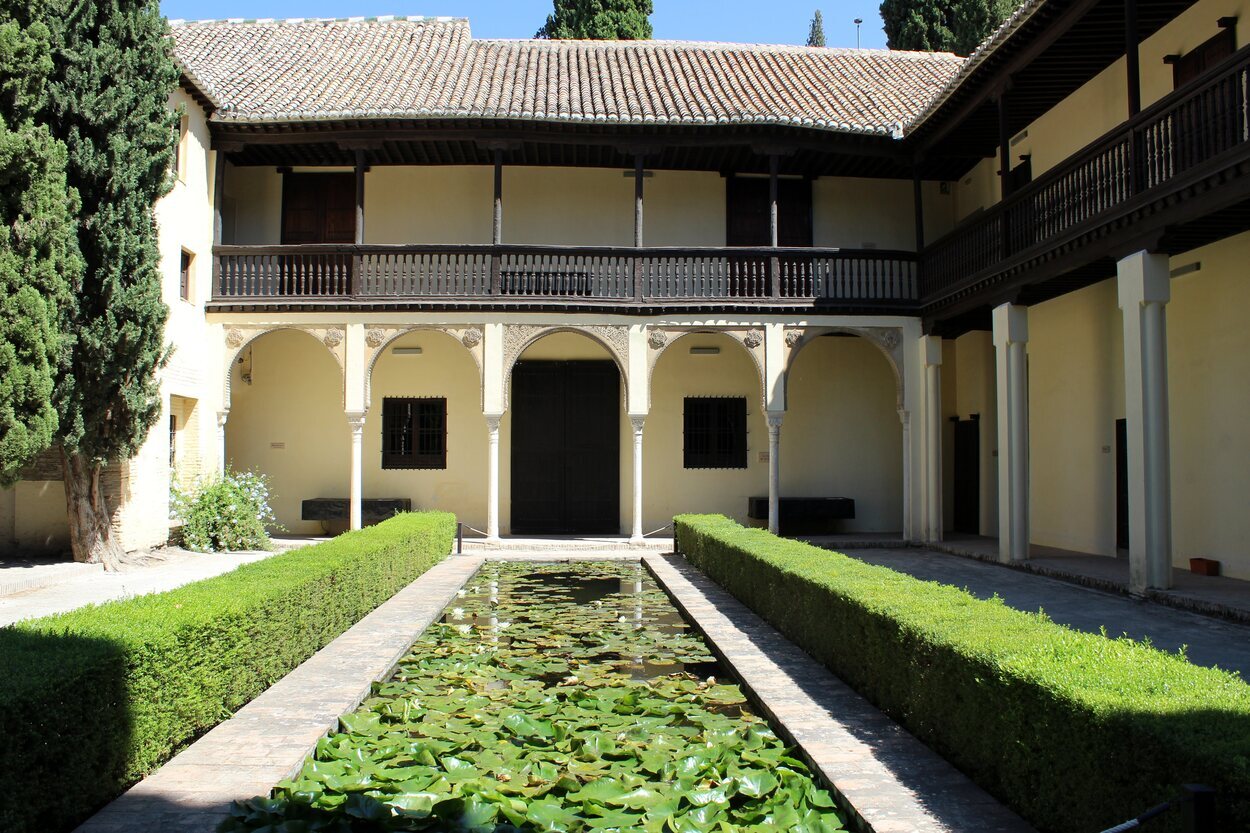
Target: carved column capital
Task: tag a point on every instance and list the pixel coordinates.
(356, 421)
(774, 419)
(637, 422)
(492, 422)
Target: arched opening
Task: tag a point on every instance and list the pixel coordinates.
(842, 436)
(564, 439)
(287, 422)
(425, 436)
(705, 441)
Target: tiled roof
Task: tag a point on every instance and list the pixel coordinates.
(303, 70)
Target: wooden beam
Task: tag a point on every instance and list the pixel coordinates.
(917, 191)
(1132, 58)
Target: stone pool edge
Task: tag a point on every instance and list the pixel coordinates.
(885, 778)
(269, 739)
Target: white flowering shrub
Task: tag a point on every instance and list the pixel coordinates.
(225, 513)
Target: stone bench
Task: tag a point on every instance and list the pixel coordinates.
(804, 515)
(372, 510)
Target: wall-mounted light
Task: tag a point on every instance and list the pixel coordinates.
(406, 351)
(705, 351)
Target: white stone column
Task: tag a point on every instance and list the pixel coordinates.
(931, 351)
(637, 421)
(1144, 290)
(222, 416)
(492, 476)
(1011, 334)
(356, 420)
(774, 469)
(904, 417)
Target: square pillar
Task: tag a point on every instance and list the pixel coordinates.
(1011, 334)
(1143, 281)
(931, 488)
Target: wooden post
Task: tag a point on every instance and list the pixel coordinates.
(918, 202)
(1004, 146)
(637, 264)
(219, 188)
(774, 264)
(496, 236)
(356, 278)
(1132, 59)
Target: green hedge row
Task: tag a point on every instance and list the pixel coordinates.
(1075, 731)
(97, 698)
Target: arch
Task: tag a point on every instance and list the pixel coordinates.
(381, 349)
(530, 335)
(658, 354)
(233, 353)
(809, 334)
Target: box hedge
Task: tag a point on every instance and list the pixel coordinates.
(1075, 731)
(97, 698)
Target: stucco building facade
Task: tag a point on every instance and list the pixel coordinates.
(580, 287)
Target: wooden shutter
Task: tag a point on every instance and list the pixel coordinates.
(747, 212)
(318, 208)
(1201, 58)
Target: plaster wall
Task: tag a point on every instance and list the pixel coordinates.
(860, 213)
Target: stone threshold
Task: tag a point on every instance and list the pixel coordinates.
(886, 780)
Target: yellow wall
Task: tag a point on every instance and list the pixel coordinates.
(295, 401)
(975, 394)
(670, 487)
(433, 204)
(842, 436)
(854, 213)
(1076, 393)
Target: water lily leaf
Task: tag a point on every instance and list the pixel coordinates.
(757, 783)
(552, 816)
(367, 808)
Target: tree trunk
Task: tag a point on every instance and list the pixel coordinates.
(90, 530)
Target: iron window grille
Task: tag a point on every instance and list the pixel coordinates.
(715, 432)
(414, 433)
(184, 276)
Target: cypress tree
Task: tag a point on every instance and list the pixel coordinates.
(37, 248)
(598, 20)
(956, 26)
(108, 100)
(816, 34)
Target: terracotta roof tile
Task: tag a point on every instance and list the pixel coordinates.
(266, 70)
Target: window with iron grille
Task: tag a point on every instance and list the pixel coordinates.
(715, 432)
(414, 433)
(184, 276)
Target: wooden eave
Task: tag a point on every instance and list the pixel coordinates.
(190, 88)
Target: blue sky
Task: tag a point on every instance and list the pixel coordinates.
(750, 21)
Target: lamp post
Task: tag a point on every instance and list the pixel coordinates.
(858, 22)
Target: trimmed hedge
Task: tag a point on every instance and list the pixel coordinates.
(97, 698)
(1075, 731)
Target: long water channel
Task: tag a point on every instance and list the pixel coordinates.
(552, 697)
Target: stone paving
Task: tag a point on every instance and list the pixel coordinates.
(894, 782)
(268, 739)
(1209, 641)
(78, 585)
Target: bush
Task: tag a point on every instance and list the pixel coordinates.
(99, 697)
(1075, 731)
(225, 513)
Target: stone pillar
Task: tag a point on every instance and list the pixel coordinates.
(931, 351)
(1144, 290)
(637, 421)
(356, 419)
(774, 469)
(222, 416)
(1011, 334)
(492, 476)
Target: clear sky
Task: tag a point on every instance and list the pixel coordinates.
(744, 21)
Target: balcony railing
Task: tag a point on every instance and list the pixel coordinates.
(1165, 144)
(490, 273)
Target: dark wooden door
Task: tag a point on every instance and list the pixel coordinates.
(967, 514)
(565, 448)
(318, 208)
(747, 212)
(1121, 484)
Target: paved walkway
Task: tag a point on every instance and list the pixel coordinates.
(78, 585)
(1216, 595)
(1210, 641)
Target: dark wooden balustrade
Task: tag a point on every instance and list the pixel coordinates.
(1166, 144)
(589, 274)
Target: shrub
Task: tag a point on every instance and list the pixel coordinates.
(99, 697)
(1075, 731)
(225, 513)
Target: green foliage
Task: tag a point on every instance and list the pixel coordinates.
(101, 696)
(816, 34)
(556, 697)
(598, 20)
(37, 249)
(956, 26)
(1075, 731)
(225, 513)
(108, 100)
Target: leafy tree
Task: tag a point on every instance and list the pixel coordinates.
(108, 100)
(37, 248)
(598, 20)
(956, 26)
(816, 34)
